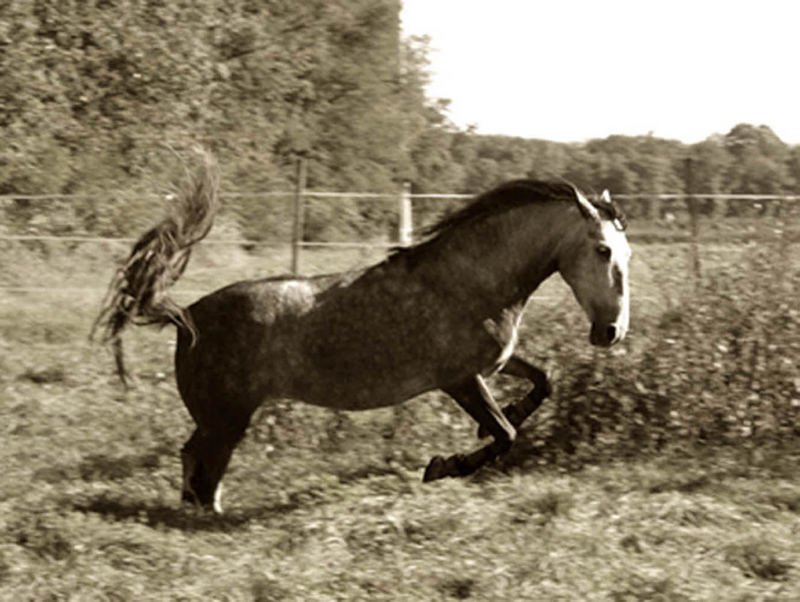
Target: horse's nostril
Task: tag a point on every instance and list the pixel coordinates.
(611, 333)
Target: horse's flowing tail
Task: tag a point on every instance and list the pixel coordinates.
(137, 293)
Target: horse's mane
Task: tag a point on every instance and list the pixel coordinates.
(502, 198)
(509, 195)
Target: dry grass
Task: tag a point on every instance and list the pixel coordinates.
(325, 506)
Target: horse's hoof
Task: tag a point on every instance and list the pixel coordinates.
(435, 469)
(190, 501)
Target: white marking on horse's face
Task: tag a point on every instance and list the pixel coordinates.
(619, 262)
(598, 275)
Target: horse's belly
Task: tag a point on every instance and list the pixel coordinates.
(361, 391)
(383, 369)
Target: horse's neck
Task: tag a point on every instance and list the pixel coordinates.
(501, 261)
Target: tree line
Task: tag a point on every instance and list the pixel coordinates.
(97, 95)
(747, 160)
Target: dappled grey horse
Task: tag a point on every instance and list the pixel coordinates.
(442, 314)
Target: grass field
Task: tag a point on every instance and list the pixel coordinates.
(329, 506)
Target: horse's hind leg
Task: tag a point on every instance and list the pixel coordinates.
(518, 411)
(205, 457)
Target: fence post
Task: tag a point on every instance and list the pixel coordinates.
(404, 223)
(694, 221)
(299, 213)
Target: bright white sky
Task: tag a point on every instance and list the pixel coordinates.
(570, 70)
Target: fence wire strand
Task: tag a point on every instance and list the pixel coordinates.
(658, 210)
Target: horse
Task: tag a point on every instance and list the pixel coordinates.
(443, 313)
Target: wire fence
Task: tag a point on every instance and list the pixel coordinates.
(661, 211)
(677, 217)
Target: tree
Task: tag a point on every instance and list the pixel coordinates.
(710, 164)
(435, 170)
(793, 167)
(759, 161)
(108, 85)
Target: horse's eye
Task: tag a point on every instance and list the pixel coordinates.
(604, 251)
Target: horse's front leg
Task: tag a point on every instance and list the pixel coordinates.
(474, 396)
(518, 411)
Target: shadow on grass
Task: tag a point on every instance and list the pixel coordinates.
(185, 518)
(100, 467)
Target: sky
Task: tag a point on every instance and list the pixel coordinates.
(572, 70)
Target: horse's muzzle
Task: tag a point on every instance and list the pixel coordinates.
(605, 335)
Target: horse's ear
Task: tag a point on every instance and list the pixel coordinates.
(589, 211)
(605, 197)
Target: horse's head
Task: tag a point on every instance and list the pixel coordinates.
(594, 262)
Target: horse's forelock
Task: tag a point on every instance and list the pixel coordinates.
(609, 209)
(612, 211)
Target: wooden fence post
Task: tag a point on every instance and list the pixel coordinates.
(404, 223)
(299, 214)
(694, 221)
